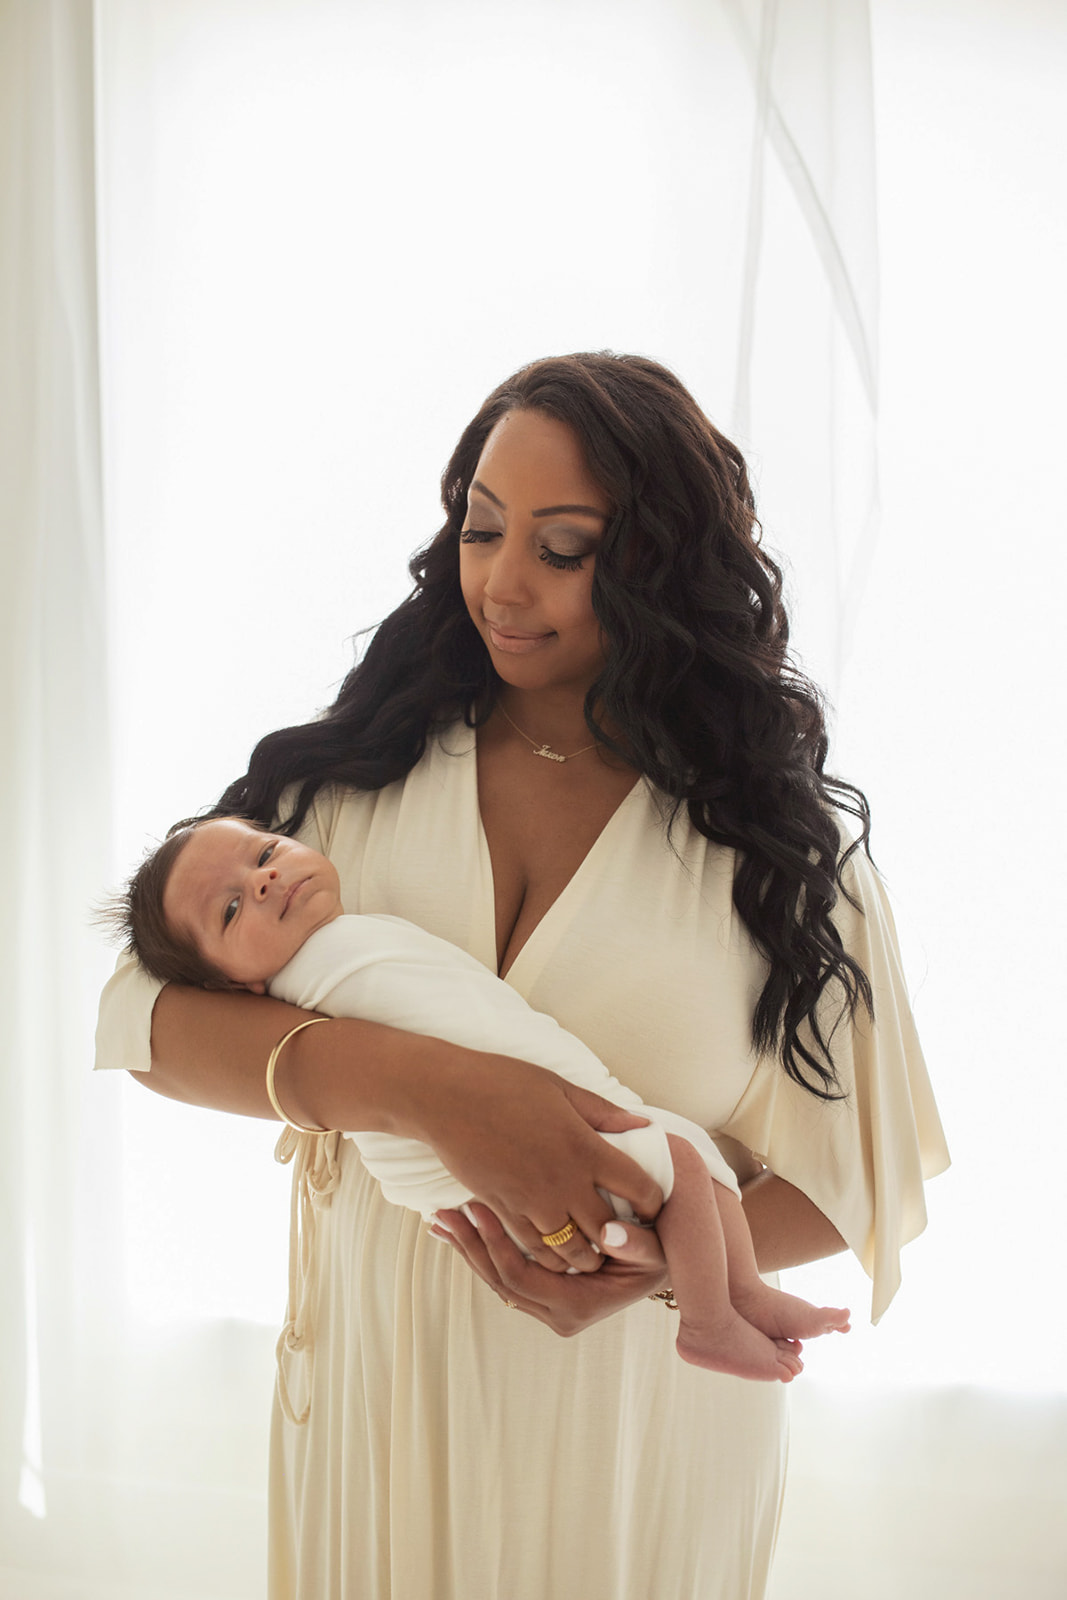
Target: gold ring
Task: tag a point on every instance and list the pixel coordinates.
(562, 1236)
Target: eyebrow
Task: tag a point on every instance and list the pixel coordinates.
(545, 511)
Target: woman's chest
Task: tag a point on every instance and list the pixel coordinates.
(540, 825)
(634, 945)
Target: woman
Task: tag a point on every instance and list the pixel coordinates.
(578, 752)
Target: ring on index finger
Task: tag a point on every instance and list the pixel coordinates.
(562, 1235)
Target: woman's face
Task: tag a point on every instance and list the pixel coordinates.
(535, 520)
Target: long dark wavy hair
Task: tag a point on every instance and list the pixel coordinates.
(697, 679)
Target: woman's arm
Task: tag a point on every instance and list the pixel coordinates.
(787, 1229)
(211, 1050)
(517, 1136)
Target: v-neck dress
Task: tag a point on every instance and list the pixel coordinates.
(454, 1449)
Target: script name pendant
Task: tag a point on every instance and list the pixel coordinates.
(549, 755)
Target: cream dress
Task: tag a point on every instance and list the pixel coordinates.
(456, 1450)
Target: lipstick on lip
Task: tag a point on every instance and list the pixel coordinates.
(516, 641)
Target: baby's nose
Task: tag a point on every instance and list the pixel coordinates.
(269, 873)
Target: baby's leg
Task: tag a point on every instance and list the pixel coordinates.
(711, 1332)
(778, 1315)
(730, 1320)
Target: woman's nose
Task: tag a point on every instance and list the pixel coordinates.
(264, 877)
(507, 582)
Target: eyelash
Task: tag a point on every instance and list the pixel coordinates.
(562, 563)
(230, 911)
(551, 558)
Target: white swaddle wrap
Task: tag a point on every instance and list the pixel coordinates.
(383, 969)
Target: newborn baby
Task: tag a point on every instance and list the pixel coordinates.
(227, 905)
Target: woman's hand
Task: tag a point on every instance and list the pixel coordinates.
(629, 1271)
(526, 1143)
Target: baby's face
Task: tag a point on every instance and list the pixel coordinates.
(249, 899)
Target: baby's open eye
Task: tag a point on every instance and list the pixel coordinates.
(266, 854)
(229, 913)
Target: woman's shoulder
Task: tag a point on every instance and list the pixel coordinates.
(335, 807)
(339, 811)
(863, 894)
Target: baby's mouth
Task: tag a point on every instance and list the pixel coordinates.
(295, 890)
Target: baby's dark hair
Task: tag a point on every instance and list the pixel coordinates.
(136, 917)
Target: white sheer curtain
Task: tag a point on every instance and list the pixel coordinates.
(930, 1459)
(56, 774)
(107, 1456)
(322, 232)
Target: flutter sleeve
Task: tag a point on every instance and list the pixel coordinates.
(863, 1159)
(124, 1019)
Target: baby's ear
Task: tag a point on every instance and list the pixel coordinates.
(228, 986)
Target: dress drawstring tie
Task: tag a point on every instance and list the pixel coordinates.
(316, 1174)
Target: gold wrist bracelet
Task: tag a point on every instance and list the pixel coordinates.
(667, 1296)
(272, 1062)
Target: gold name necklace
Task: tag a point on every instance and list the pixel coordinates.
(545, 750)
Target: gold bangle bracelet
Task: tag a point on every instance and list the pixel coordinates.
(272, 1062)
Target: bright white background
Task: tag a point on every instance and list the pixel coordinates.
(323, 236)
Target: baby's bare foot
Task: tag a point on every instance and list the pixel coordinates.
(787, 1316)
(734, 1346)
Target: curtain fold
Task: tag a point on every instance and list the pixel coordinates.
(58, 1139)
(808, 320)
(811, 65)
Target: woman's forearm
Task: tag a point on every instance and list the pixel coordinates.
(514, 1134)
(211, 1049)
(787, 1228)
